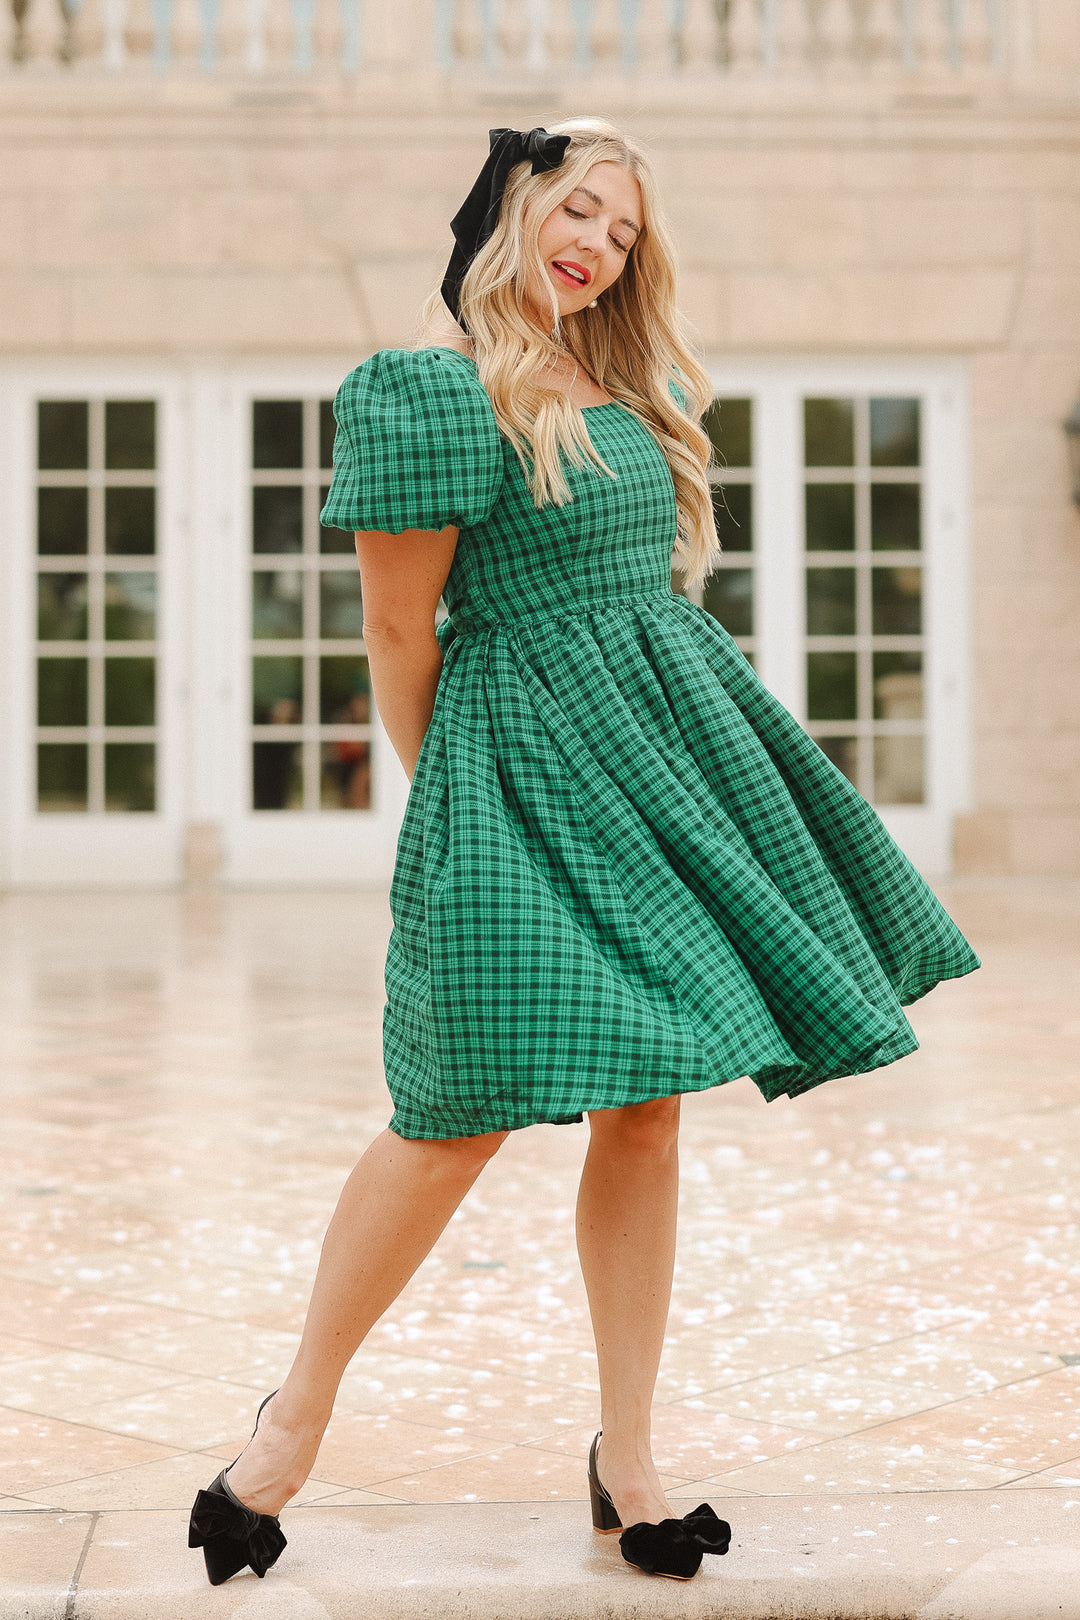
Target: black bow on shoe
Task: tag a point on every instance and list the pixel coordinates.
(666, 1548)
(476, 219)
(675, 1547)
(232, 1535)
(712, 1534)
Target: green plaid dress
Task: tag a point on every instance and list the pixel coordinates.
(624, 870)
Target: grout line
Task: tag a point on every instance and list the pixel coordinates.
(73, 1589)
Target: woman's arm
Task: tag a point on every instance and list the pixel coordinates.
(402, 576)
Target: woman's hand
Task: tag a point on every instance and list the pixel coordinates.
(402, 576)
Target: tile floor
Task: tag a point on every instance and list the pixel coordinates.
(878, 1285)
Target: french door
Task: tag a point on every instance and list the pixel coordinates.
(183, 655)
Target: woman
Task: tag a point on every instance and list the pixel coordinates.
(624, 871)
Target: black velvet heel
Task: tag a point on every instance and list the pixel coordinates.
(230, 1534)
(674, 1547)
(604, 1517)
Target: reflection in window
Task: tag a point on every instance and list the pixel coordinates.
(832, 691)
(63, 522)
(62, 607)
(130, 522)
(830, 517)
(864, 621)
(63, 776)
(830, 601)
(277, 518)
(311, 711)
(895, 517)
(130, 606)
(829, 432)
(277, 604)
(97, 605)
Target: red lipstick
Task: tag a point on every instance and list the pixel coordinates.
(567, 266)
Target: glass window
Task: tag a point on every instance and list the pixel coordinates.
(277, 433)
(864, 621)
(829, 432)
(96, 743)
(728, 594)
(63, 434)
(311, 711)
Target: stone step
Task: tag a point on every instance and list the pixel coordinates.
(1011, 1554)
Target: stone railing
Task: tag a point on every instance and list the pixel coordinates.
(615, 38)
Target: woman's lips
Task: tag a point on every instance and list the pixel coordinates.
(581, 280)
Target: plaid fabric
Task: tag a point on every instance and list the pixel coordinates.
(624, 870)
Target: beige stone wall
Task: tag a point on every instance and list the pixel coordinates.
(203, 221)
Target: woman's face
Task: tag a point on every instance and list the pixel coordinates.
(586, 241)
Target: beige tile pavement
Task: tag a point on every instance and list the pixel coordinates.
(878, 1288)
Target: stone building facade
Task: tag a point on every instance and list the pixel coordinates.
(208, 216)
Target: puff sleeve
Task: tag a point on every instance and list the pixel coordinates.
(417, 445)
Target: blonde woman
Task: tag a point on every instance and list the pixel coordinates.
(624, 871)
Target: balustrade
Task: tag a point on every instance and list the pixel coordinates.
(724, 38)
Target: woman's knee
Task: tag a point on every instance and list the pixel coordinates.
(647, 1127)
(465, 1155)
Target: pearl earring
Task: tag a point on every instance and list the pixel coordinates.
(592, 303)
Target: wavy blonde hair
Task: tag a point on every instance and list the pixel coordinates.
(631, 342)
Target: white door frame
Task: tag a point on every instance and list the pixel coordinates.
(204, 645)
(777, 387)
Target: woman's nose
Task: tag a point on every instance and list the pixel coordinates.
(591, 236)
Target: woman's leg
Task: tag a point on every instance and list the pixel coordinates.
(391, 1211)
(626, 1215)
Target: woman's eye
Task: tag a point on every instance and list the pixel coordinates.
(623, 247)
(574, 214)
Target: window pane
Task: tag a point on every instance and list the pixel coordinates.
(129, 691)
(341, 607)
(898, 686)
(844, 753)
(62, 522)
(61, 696)
(130, 437)
(829, 428)
(130, 528)
(897, 599)
(831, 686)
(129, 776)
(830, 517)
(729, 596)
(728, 422)
(130, 606)
(61, 607)
(327, 430)
(277, 691)
(333, 540)
(898, 770)
(276, 776)
(277, 433)
(830, 601)
(894, 517)
(63, 434)
(346, 776)
(277, 604)
(344, 691)
(733, 510)
(277, 518)
(61, 776)
(894, 432)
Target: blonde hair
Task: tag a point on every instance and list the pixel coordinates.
(631, 342)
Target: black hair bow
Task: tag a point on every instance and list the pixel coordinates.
(476, 219)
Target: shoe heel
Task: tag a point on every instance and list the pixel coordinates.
(604, 1517)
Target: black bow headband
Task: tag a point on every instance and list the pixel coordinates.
(476, 219)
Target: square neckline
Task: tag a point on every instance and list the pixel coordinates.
(604, 405)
